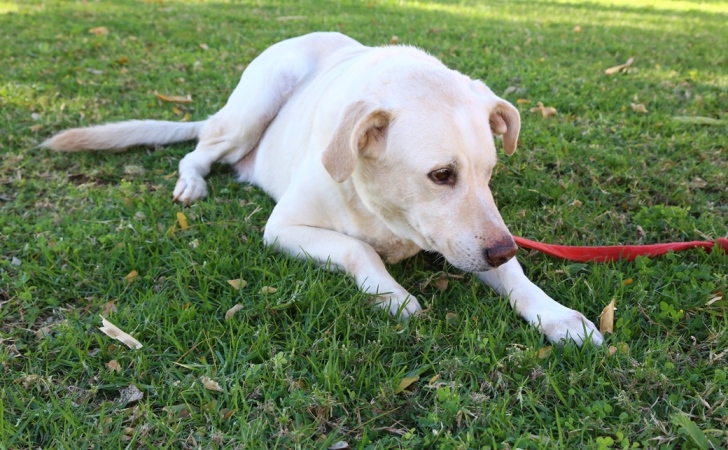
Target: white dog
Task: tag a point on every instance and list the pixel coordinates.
(370, 153)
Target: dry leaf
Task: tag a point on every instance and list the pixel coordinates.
(544, 352)
(268, 290)
(113, 366)
(441, 283)
(204, 47)
(123, 60)
(341, 445)
(606, 320)
(622, 348)
(131, 276)
(231, 312)
(628, 281)
(523, 101)
(186, 117)
(170, 176)
(176, 110)
(182, 220)
(546, 111)
(114, 332)
(109, 307)
(619, 68)
(210, 384)
(133, 170)
(716, 298)
(238, 284)
(98, 31)
(405, 383)
(577, 29)
(130, 394)
(173, 98)
(393, 40)
(35, 128)
(638, 107)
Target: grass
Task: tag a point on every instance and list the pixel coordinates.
(312, 364)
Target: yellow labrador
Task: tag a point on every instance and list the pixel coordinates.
(370, 153)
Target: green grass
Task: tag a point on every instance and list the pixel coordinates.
(312, 363)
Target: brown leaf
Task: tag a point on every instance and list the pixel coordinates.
(210, 384)
(36, 128)
(98, 31)
(268, 290)
(393, 40)
(523, 101)
(204, 47)
(231, 312)
(238, 284)
(113, 366)
(114, 332)
(173, 98)
(131, 276)
(544, 352)
(622, 348)
(441, 283)
(182, 220)
(606, 320)
(638, 107)
(577, 29)
(619, 68)
(546, 111)
(628, 281)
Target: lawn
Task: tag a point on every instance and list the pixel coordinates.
(639, 156)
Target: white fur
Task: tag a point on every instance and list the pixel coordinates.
(347, 139)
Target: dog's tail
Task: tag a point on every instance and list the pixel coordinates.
(117, 136)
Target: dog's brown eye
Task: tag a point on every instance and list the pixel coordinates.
(443, 176)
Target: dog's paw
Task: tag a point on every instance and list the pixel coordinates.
(189, 189)
(402, 306)
(569, 326)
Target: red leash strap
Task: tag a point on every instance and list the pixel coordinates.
(610, 253)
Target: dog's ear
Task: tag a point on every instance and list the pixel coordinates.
(360, 132)
(505, 120)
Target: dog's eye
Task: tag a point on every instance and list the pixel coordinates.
(442, 176)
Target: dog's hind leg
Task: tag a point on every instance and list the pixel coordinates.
(264, 88)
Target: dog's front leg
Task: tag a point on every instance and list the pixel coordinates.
(556, 321)
(351, 255)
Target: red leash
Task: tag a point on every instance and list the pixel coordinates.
(610, 253)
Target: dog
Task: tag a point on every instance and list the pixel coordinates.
(371, 154)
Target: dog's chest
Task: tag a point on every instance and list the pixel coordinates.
(393, 249)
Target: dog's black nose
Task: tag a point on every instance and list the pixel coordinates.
(501, 252)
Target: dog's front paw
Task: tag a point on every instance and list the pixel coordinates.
(569, 326)
(405, 304)
(189, 189)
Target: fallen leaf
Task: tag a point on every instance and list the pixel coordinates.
(622, 348)
(131, 276)
(113, 366)
(133, 170)
(130, 394)
(268, 290)
(173, 98)
(544, 352)
(226, 413)
(638, 107)
(699, 120)
(718, 297)
(393, 40)
(405, 383)
(339, 445)
(123, 60)
(546, 111)
(176, 110)
(606, 320)
(36, 128)
(231, 312)
(170, 176)
(98, 31)
(619, 68)
(210, 384)
(204, 47)
(108, 308)
(114, 332)
(441, 283)
(577, 29)
(186, 117)
(238, 284)
(182, 220)
(628, 281)
(523, 101)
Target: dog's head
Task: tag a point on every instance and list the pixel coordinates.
(423, 162)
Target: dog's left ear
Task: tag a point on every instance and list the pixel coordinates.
(360, 132)
(505, 120)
